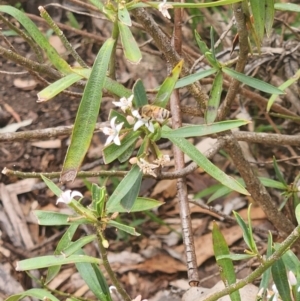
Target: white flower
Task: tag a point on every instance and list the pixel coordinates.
(276, 293)
(163, 8)
(113, 132)
(67, 196)
(146, 167)
(142, 121)
(163, 160)
(292, 278)
(124, 103)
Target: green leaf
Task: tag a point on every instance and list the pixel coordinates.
(264, 284)
(258, 11)
(50, 260)
(183, 5)
(113, 151)
(123, 14)
(130, 197)
(226, 267)
(190, 79)
(269, 16)
(207, 166)
(272, 183)
(94, 278)
(124, 228)
(282, 87)
(214, 99)
(98, 199)
(167, 87)
(280, 280)
(288, 7)
(123, 188)
(120, 118)
(201, 44)
(78, 244)
(48, 218)
(202, 130)
(219, 193)
(247, 233)
(290, 260)
(236, 257)
(55, 88)
(87, 114)
(278, 173)
(53, 187)
(140, 204)
(63, 243)
(140, 95)
(56, 60)
(131, 49)
(252, 82)
(37, 293)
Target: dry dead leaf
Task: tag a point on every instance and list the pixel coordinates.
(204, 246)
(160, 263)
(25, 84)
(56, 143)
(166, 188)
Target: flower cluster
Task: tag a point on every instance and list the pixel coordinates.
(113, 132)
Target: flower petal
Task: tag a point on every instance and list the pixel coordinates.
(76, 193)
(138, 124)
(117, 140)
(150, 126)
(109, 140)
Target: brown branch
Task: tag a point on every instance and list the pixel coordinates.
(163, 43)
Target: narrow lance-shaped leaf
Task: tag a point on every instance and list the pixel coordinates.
(124, 228)
(50, 260)
(140, 95)
(190, 79)
(140, 204)
(269, 16)
(207, 166)
(280, 280)
(38, 293)
(225, 264)
(166, 89)
(182, 5)
(131, 49)
(113, 151)
(123, 188)
(203, 129)
(258, 11)
(55, 88)
(282, 87)
(278, 173)
(214, 99)
(87, 114)
(201, 44)
(130, 197)
(288, 7)
(94, 278)
(246, 232)
(252, 82)
(56, 60)
(123, 14)
(64, 242)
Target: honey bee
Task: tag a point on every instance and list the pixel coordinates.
(155, 113)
